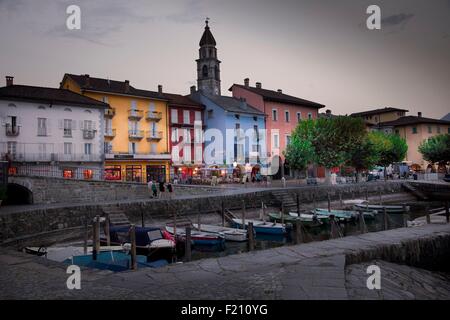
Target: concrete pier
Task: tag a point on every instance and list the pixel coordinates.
(331, 269)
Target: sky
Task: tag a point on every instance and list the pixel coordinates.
(320, 50)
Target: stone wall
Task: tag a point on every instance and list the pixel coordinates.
(434, 191)
(59, 190)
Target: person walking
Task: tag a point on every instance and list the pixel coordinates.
(161, 189)
(170, 189)
(155, 190)
(149, 186)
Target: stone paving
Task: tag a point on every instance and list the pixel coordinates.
(315, 270)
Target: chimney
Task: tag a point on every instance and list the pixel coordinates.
(160, 89)
(193, 89)
(328, 111)
(258, 85)
(127, 86)
(247, 82)
(280, 91)
(9, 81)
(87, 82)
(419, 114)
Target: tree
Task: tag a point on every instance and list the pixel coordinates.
(299, 153)
(390, 148)
(363, 156)
(436, 149)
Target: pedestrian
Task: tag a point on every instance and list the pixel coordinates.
(155, 190)
(161, 189)
(170, 189)
(149, 186)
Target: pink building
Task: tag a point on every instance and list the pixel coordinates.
(283, 113)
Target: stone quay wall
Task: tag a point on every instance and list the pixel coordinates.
(20, 227)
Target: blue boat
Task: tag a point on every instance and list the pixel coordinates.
(263, 227)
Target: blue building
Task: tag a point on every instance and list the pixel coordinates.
(235, 138)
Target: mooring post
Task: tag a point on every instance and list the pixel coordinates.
(282, 213)
(427, 211)
(133, 247)
(332, 226)
(142, 219)
(223, 213)
(340, 199)
(250, 236)
(298, 232)
(199, 223)
(314, 201)
(107, 233)
(187, 244)
(174, 222)
(385, 216)
(243, 214)
(405, 216)
(298, 204)
(329, 201)
(263, 212)
(96, 238)
(447, 213)
(367, 193)
(379, 194)
(86, 235)
(362, 223)
(353, 194)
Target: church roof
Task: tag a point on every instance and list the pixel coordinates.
(207, 37)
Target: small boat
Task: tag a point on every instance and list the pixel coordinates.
(355, 201)
(198, 237)
(37, 251)
(380, 208)
(347, 215)
(308, 220)
(262, 226)
(231, 234)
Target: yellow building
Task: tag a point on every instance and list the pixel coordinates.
(376, 116)
(135, 128)
(415, 130)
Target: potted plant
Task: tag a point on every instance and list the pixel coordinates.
(2, 194)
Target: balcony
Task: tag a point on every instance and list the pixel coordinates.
(110, 133)
(54, 157)
(154, 135)
(135, 114)
(135, 134)
(153, 116)
(88, 134)
(109, 113)
(12, 131)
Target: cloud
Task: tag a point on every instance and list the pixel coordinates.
(396, 19)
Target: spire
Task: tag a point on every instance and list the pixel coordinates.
(207, 38)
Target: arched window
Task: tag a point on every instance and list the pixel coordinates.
(41, 108)
(210, 53)
(205, 71)
(68, 109)
(12, 105)
(216, 73)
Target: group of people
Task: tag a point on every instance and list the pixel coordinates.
(160, 186)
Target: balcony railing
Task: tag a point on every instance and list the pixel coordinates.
(56, 157)
(110, 133)
(12, 131)
(88, 134)
(154, 135)
(135, 114)
(135, 134)
(109, 113)
(153, 115)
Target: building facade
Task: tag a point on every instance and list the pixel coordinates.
(377, 116)
(136, 128)
(51, 132)
(283, 113)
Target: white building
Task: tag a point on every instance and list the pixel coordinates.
(48, 131)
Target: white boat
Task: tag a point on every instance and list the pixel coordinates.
(198, 237)
(231, 234)
(355, 201)
(380, 208)
(263, 227)
(62, 253)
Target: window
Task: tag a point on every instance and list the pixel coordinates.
(274, 115)
(287, 116)
(42, 126)
(67, 128)
(152, 107)
(198, 135)
(133, 173)
(68, 173)
(187, 136)
(88, 148)
(216, 73)
(430, 130)
(133, 105)
(309, 115)
(175, 135)
(12, 147)
(88, 125)
(132, 148)
(113, 173)
(198, 116)
(210, 114)
(88, 174)
(107, 146)
(276, 141)
(187, 157)
(438, 129)
(174, 115)
(205, 71)
(288, 140)
(42, 148)
(414, 130)
(299, 116)
(186, 117)
(67, 148)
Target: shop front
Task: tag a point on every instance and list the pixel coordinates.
(141, 171)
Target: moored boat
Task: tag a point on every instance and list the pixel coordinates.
(346, 215)
(380, 208)
(263, 227)
(231, 234)
(198, 237)
(308, 220)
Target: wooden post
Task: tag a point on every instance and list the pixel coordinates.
(332, 226)
(142, 219)
(405, 216)
(261, 212)
(329, 201)
(298, 205)
(362, 223)
(223, 213)
(86, 235)
(187, 244)
(385, 216)
(133, 247)
(174, 222)
(428, 215)
(107, 233)
(298, 232)
(250, 236)
(264, 211)
(96, 238)
(367, 194)
(353, 194)
(340, 199)
(447, 213)
(380, 197)
(199, 225)
(314, 201)
(243, 214)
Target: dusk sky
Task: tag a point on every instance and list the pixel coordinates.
(318, 50)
